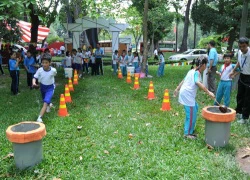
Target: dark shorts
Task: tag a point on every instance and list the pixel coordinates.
(78, 66)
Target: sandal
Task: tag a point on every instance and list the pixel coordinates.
(190, 136)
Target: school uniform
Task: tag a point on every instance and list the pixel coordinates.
(86, 62)
(47, 83)
(78, 61)
(135, 62)
(160, 71)
(114, 63)
(98, 60)
(93, 66)
(243, 95)
(225, 84)
(187, 98)
(68, 62)
(29, 63)
(123, 64)
(14, 73)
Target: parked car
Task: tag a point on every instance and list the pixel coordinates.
(17, 47)
(189, 55)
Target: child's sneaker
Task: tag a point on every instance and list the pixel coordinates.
(242, 121)
(39, 119)
(238, 116)
(48, 109)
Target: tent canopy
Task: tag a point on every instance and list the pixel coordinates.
(25, 27)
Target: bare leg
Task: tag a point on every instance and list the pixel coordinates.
(43, 109)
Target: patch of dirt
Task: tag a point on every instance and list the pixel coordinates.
(243, 159)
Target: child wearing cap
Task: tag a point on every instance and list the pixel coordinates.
(46, 76)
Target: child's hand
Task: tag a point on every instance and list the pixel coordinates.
(211, 94)
(175, 92)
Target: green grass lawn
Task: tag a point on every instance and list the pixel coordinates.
(109, 110)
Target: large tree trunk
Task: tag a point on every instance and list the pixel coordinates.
(243, 25)
(186, 24)
(34, 24)
(232, 37)
(145, 36)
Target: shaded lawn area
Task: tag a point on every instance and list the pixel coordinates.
(123, 135)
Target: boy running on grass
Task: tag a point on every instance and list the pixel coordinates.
(46, 76)
(188, 88)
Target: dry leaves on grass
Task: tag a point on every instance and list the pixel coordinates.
(209, 147)
(80, 158)
(130, 136)
(55, 178)
(10, 155)
(106, 152)
(109, 116)
(148, 124)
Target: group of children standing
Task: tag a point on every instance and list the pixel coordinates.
(81, 60)
(134, 60)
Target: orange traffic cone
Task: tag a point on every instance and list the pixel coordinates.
(67, 94)
(75, 74)
(120, 73)
(151, 92)
(137, 75)
(129, 78)
(75, 81)
(136, 83)
(62, 108)
(166, 102)
(71, 88)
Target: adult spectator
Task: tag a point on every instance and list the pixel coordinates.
(212, 62)
(98, 59)
(243, 94)
(62, 49)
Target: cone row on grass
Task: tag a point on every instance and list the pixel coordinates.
(62, 112)
(166, 102)
(151, 93)
(71, 88)
(67, 94)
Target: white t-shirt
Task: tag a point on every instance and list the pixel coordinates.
(156, 52)
(115, 58)
(46, 77)
(68, 61)
(244, 61)
(189, 88)
(162, 60)
(135, 59)
(78, 58)
(62, 48)
(123, 60)
(93, 59)
(225, 71)
(130, 58)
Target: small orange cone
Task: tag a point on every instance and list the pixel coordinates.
(137, 75)
(120, 73)
(71, 88)
(75, 74)
(136, 83)
(166, 102)
(62, 108)
(151, 92)
(75, 81)
(67, 94)
(129, 78)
